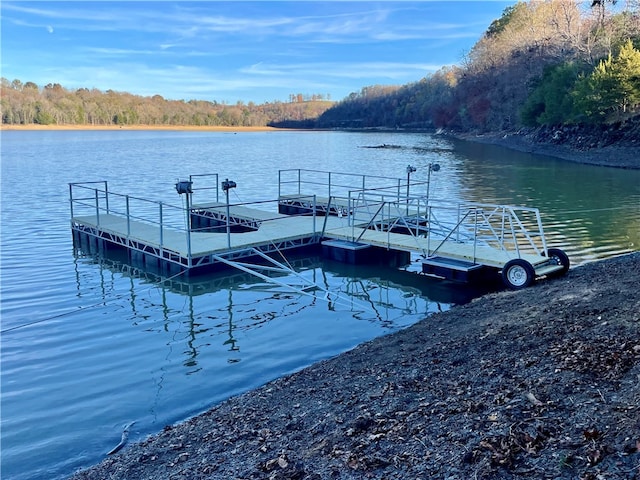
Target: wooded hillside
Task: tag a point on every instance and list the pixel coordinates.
(556, 62)
(27, 103)
(541, 63)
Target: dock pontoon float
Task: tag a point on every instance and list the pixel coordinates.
(346, 214)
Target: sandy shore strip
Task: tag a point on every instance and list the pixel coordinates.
(186, 128)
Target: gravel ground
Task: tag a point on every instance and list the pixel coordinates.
(534, 384)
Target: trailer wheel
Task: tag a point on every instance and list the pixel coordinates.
(561, 258)
(518, 274)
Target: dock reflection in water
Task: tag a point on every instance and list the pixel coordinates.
(218, 311)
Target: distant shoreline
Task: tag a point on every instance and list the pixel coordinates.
(617, 156)
(207, 128)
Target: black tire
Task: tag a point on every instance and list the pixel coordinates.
(561, 258)
(518, 274)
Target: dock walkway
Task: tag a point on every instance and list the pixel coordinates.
(275, 230)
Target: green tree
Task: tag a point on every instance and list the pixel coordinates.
(551, 102)
(612, 89)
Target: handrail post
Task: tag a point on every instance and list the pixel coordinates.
(161, 227)
(475, 233)
(299, 181)
(429, 207)
(129, 217)
(314, 215)
(97, 208)
(71, 199)
(189, 259)
(106, 195)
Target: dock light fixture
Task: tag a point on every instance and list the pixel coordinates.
(226, 186)
(184, 186)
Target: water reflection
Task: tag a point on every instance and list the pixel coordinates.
(591, 212)
(216, 310)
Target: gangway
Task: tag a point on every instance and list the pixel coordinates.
(456, 240)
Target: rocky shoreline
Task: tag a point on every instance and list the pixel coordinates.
(616, 145)
(539, 383)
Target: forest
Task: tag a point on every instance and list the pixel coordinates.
(27, 103)
(540, 63)
(555, 62)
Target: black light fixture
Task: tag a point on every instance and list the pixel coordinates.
(228, 184)
(184, 186)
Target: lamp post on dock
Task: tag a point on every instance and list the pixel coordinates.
(226, 186)
(186, 187)
(410, 169)
(432, 167)
(182, 187)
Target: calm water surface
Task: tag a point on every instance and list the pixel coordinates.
(87, 346)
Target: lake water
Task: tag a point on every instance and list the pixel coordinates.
(88, 347)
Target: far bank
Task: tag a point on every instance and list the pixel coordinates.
(612, 147)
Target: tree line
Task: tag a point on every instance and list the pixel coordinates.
(27, 103)
(540, 63)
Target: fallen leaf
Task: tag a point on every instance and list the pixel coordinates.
(532, 398)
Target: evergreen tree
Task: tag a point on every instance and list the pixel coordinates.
(612, 89)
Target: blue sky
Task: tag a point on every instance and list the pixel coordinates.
(230, 51)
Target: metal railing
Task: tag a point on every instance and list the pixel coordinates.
(507, 228)
(95, 203)
(337, 184)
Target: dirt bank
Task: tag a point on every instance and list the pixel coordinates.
(540, 383)
(616, 145)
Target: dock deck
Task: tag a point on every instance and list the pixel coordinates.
(276, 230)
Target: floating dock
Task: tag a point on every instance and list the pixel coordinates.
(353, 218)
